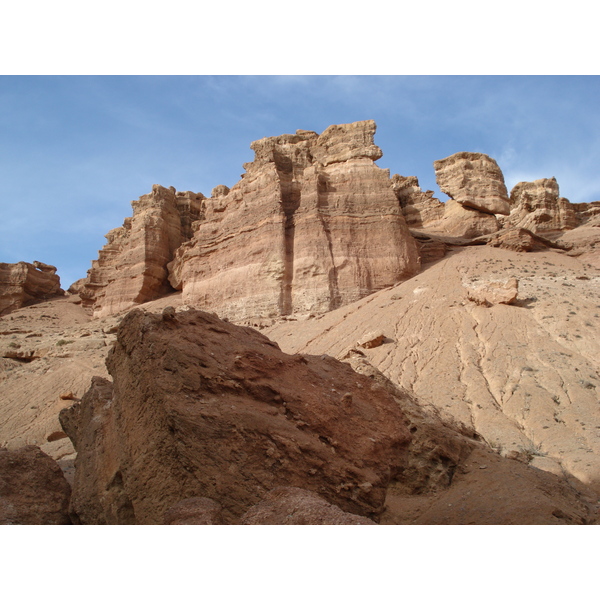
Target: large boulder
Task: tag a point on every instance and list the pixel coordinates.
(33, 489)
(23, 283)
(473, 180)
(204, 408)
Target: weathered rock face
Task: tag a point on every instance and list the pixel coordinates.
(33, 489)
(419, 208)
(295, 506)
(473, 180)
(22, 283)
(538, 207)
(194, 511)
(131, 268)
(466, 222)
(203, 408)
(312, 225)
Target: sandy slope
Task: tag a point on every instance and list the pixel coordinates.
(525, 376)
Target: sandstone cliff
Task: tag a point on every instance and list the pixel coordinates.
(312, 225)
(23, 283)
(419, 208)
(131, 268)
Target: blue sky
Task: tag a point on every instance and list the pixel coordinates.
(75, 150)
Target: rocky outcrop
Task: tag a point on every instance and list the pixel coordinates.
(537, 206)
(33, 489)
(474, 180)
(295, 506)
(23, 283)
(312, 225)
(204, 408)
(132, 266)
(488, 293)
(518, 239)
(465, 222)
(419, 208)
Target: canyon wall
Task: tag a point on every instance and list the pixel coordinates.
(312, 225)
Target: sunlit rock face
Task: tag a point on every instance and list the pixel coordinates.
(420, 209)
(22, 283)
(537, 206)
(313, 224)
(131, 268)
(474, 180)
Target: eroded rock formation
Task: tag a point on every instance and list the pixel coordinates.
(201, 407)
(312, 225)
(131, 268)
(537, 206)
(473, 180)
(23, 283)
(419, 208)
(464, 222)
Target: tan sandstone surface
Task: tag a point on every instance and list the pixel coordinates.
(312, 225)
(474, 180)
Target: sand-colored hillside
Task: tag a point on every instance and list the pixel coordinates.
(525, 376)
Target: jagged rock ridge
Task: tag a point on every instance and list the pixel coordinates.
(131, 268)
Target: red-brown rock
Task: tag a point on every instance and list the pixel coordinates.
(33, 489)
(295, 506)
(194, 511)
(201, 407)
(23, 283)
(132, 267)
(420, 209)
(537, 206)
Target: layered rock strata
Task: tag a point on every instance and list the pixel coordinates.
(203, 408)
(131, 268)
(312, 225)
(419, 208)
(464, 222)
(537, 206)
(23, 283)
(474, 180)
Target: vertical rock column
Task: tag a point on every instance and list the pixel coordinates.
(351, 238)
(239, 262)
